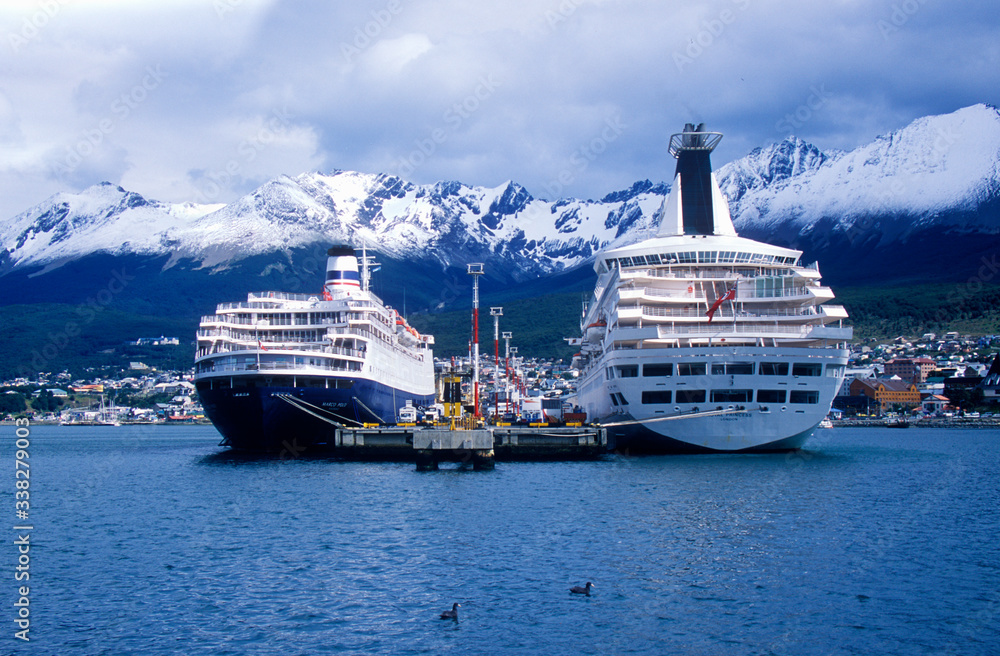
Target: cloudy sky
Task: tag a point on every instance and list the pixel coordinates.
(203, 100)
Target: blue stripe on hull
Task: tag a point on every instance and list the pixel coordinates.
(638, 439)
(255, 419)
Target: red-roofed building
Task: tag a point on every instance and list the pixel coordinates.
(888, 393)
(936, 403)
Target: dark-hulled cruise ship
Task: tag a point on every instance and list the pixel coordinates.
(283, 371)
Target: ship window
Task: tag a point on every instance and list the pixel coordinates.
(638, 260)
(656, 396)
(732, 396)
(628, 370)
(733, 368)
(624, 261)
(621, 398)
(770, 396)
(803, 396)
(727, 256)
(652, 259)
(743, 257)
(663, 369)
(610, 372)
(807, 369)
(691, 369)
(774, 368)
(687, 257)
(707, 257)
(834, 370)
(669, 258)
(614, 399)
(690, 396)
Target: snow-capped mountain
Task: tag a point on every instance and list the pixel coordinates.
(936, 164)
(919, 204)
(920, 201)
(447, 222)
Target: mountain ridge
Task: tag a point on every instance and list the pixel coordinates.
(939, 174)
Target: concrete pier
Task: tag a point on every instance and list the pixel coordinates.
(434, 445)
(428, 447)
(549, 443)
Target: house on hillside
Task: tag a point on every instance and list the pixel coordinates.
(889, 393)
(910, 369)
(991, 382)
(935, 403)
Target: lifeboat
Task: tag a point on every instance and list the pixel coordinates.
(595, 332)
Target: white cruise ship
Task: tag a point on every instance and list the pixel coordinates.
(698, 340)
(282, 371)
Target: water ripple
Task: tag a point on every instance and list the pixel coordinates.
(160, 543)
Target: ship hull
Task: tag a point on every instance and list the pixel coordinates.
(642, 439)
(710, 425)
(295, 419)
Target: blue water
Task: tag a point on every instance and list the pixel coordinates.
(147, 541)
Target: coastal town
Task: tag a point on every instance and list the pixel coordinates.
(950, 377)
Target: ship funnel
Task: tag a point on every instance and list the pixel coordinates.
(695, 205)
(342, 268)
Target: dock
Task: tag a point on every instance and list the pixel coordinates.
(482, 447)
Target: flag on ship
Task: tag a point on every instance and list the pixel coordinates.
(728, 296)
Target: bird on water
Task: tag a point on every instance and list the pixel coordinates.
(584, 590)
(451, 614)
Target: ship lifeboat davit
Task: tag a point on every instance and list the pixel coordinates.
(405, 332)
(595, 332)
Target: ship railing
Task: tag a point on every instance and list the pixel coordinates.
(723, 271)
(284, 296)
(250, 337)
(260, 301)
(224, 347)
(656, 311)
(676, 294)
(741, 294)
(800, 291)
(250, 305)
(702, 272)
(272, 366)
(721, 330)
(229, 319)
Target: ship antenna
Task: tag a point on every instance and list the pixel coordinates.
(365, 276)
(368, 267)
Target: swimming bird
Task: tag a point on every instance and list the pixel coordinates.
(451, 614)
(585, 590)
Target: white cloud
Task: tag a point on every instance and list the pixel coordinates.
(479, 92)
